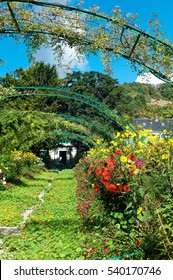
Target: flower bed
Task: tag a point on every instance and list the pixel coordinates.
(125, 192)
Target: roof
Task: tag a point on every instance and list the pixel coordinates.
(156, 125)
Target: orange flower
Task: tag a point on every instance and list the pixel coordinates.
(106, 174)
(112, 188)
(118, 151)
(110, 163)
(126, 188)
(99, 171)
(105, 183)
(138, 242)
(131, 157)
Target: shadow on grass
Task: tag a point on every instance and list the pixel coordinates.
(64, 178)
(53, 225)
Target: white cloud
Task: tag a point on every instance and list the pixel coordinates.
(69, 59)
(148, 78)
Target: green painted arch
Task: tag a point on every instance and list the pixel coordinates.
(77, 97)
(138, 34)
(87, 123)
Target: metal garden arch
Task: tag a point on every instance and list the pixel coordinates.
(110, 33)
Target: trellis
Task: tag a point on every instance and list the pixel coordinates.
(87, 30)
(67, 94)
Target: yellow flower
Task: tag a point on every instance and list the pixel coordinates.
(114, 143)
(140, 211)
(140, 144)
(118, 134)
(164, 156)
(170, 142)
(123, 159)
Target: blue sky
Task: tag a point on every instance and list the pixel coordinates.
(15, 56)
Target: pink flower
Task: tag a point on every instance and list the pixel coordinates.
(106, 250)
(86, 253)
(92, 250)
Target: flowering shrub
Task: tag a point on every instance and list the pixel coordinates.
(17, 164)
(129, 178)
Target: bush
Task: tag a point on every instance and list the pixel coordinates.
(17, 164)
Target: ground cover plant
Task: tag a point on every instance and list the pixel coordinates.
(17, 199)
(127, 186)
(53, 230)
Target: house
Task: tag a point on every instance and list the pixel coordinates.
(157, 125)
(64, 155)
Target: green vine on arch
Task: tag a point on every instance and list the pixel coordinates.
(75, 96)
(87, 123)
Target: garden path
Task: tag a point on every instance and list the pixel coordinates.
(6, 230)
(53, 229)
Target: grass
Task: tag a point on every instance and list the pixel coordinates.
(14, 201)
(53, 230)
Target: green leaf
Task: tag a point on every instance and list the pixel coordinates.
(78, 250)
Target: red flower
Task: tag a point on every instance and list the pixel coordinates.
(85, 160)
(132, 170)
(106, 250)
(92, 250)
(118, 190)
(131, 157)
(126, 188)
(118, 151)
(110, 163)
(138, 242)
(112, 156)
(112, 188)
(105, 183)
(97, 187)
(99, 171)
(107, 174)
